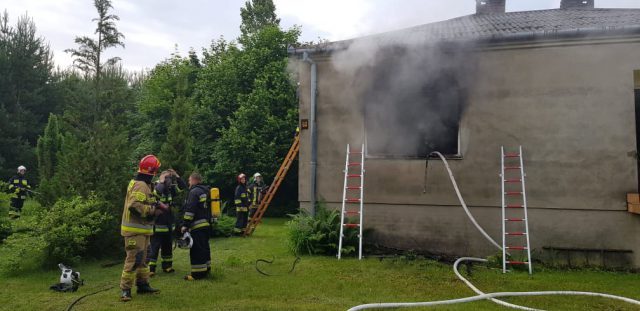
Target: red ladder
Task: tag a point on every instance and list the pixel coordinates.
(519, 209)
(353, 193)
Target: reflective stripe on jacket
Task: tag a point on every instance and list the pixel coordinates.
(241, 198)
(197, 212)
(138, 213)
(17, 186)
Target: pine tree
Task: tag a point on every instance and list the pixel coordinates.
(27, 94)
(176, 151)
(88, 55)
(48, 148)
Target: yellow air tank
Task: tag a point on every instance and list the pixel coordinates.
(215, 202)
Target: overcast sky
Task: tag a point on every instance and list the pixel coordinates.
(153, 28)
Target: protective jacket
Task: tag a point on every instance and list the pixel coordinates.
(165, 193)
(17, 187)
(241, 198)
(139, 207)
(256, 191)
(197, 213)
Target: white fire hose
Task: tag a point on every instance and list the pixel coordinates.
(481, 295)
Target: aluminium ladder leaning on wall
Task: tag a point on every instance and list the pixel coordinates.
(512, 174)
(356, 196)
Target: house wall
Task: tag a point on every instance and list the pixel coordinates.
(571, 107)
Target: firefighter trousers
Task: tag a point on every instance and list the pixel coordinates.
(200, 253)
(16, 204)
(135, 268)
(161, 246)
(242, 218)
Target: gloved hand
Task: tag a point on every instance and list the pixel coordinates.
(162, 206)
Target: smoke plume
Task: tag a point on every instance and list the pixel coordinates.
(413, 93)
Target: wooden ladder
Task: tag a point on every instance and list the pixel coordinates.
(282, 172)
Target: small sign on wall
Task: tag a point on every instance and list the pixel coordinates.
(304, 124)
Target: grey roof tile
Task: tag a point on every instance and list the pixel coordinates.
(479, 26)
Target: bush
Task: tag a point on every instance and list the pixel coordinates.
(319, 235)
(72, 229)
(5, 223)
(22, 252)
(77, 227)
(224, 227)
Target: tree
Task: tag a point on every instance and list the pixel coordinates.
(26, 93)
(177, 149)
(256, 15)
(262, 129)
(170, 84)
(88, 55)
(48, 148)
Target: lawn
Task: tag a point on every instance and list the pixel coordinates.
(317, 283)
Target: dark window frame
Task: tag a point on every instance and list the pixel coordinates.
(457, 156)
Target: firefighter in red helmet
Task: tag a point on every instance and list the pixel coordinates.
(242, 203)
(140, 209)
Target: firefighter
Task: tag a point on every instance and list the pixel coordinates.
(257, 189)
(18, 188)
(161, 240)
(140, 208)
(242, 203)
(197, 215)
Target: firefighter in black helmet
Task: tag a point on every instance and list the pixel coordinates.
(242, 203)
(168, 186)
(197, 215)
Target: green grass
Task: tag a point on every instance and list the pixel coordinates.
(318, 283)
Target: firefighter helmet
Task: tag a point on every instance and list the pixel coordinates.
(69, 280)
(242, 175)
(186, 241)
(21, 168)
(149, 165)
(257, 175)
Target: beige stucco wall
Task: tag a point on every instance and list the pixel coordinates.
(571, 107)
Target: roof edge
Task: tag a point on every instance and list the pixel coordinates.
(515, 38)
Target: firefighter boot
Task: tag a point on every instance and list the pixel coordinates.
(126, 295)
(168, 270)
(145, 288)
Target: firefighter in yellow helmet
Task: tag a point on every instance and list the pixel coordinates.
(140, 209)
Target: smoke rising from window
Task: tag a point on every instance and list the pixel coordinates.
(413, 94)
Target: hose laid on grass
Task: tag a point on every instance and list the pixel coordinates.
(479, 292)
(486, 296)
(481, 295)
(73, 303)
(293, 266)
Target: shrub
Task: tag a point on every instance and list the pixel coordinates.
(77, 227)
(319, 235)
(224, 227)
(22, 252)
(5, 223)
(72, 229)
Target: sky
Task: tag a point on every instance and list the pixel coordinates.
(154, 28)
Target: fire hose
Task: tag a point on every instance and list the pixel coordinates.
(481, 295)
